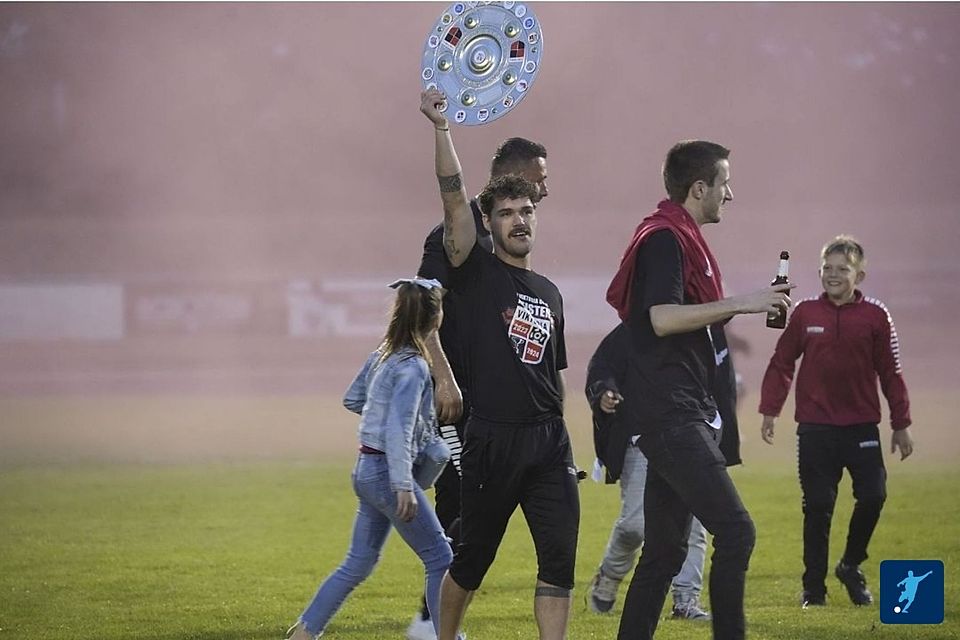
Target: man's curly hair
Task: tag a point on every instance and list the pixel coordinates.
(505, 188)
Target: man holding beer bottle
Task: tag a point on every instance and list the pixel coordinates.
(668, 292)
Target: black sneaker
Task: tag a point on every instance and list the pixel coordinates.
(810, 599)
(855, 582)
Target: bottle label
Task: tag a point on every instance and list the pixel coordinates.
(783, 269)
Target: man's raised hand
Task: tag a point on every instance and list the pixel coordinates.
(431, 102)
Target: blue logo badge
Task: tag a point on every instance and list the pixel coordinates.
(911, 591)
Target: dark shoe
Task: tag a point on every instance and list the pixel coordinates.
(855, 582)
(810, 599)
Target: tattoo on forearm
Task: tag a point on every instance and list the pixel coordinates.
(450, 184)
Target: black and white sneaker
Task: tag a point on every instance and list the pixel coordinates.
(811, 599)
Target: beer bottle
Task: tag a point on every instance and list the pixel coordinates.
(778, 319)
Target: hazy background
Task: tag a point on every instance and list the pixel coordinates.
(200, 203)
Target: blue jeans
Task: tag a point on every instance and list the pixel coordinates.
(375, 515)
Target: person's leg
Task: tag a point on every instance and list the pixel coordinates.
(626, 538)
(863, 457)
(627, 535)
(716, 503)
(688, 583)
(864, 460)
(689, 460)
(551, 609)
(425, 537)
(447, 486)
(820, 471)
(447, 501)
(454, 601)
(488, 497)
(550, 500)
(666, 531)
(370, 532)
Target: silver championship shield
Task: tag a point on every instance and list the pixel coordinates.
(483, 56)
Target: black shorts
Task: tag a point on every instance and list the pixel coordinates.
(505, 465)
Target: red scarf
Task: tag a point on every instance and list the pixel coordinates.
(701, 275)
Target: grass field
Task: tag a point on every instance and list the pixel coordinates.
(215, 518)
(232, 551)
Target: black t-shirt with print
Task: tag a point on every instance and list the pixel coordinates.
(511, 334)
(434, 264)
(673, 375)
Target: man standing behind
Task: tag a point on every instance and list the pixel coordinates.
(514, 156)
(625, 462)
(517, 451)
(668, 292)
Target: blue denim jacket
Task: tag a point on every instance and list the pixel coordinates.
(395, 401)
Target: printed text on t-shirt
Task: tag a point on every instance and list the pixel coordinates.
(530, 326)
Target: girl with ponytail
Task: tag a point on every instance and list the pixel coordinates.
(401, 454)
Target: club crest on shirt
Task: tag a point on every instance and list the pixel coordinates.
(529, 325)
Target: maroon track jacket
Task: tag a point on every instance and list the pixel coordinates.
(845, 349)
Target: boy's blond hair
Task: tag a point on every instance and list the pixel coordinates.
(847, 245)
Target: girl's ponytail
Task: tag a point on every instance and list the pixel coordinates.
(416, 312)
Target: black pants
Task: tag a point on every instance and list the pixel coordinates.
(687, 474)
(447, 491)
(506, 465)
(447, 486)
(824, 451)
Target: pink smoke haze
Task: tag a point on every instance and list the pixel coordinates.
(234, 183)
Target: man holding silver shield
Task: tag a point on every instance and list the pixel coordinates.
(514, 156)
(517, 450)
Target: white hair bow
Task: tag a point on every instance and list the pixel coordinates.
(432, 283)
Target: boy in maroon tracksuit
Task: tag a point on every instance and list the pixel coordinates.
(847, 341)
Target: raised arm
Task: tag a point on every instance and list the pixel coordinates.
(459, 230)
